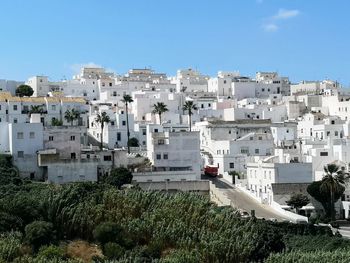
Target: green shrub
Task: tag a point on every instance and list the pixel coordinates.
(10, 244)
(51, 252)
(39, 233)
(107, 232)
(113, 250)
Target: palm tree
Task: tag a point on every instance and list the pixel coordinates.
(71, 115)
(159, 108)
(127, 99)
(332, 182)
(189, 106)
(102, 119)
(36, 109)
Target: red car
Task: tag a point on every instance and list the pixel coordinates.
(211, 170)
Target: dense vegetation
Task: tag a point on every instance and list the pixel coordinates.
(42, 223)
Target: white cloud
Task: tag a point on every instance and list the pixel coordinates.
(76, 67)
(270, 27)
(286, 14)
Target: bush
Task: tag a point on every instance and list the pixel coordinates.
(118, 177)
(51, 252)
(10, 244)
(113, 250)
(107, 232)
(133, 142)
(39, 233)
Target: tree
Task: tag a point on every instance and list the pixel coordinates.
(133, 142)
(189, 106)
(329, 189)
(36, 109)
(127, 99)
(39, 233)
(56, 122)
(118, 177)
(24, 90)
(159, 108)
(71, 116)
(333, 181)
(102, 118)
(297, 201)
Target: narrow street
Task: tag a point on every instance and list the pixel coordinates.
(245, 202)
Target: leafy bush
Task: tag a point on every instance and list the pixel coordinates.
(118, 177)
(107, 232)
(113, 250)
(39, 233)
(51, 252)
(10, 245)
(338, 256)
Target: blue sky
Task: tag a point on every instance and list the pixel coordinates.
(298, 38)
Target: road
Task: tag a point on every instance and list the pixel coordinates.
(241, 200)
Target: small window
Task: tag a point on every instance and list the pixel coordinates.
(72, 138)
(107, 158)
(15, 120)
(323, 153)
(143, 131)
(159, 156)
(50, 138)
(160, 142)
(14, 107)
(155, 130)
(20, 154)
(32, 175)
(19, 135)
(232, 165)
(110, 84)
(165, 156)
(119, 136)
(32, 135)
(112, 123)
(257, 151)
(73, 156)
(123, 123)
(53, 107)
(260, 138)
(251, 138)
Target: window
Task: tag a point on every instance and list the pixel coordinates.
(159, 156)
(14, 107)
(333, 122)
(251, 138)
(287, 131)
(110, 84)
(112, 123)
(32, 175)
(50, 138)
(160, 142)
(155, 130)
(72, 138)
(20, 154)
(53, 107)
(336, 133)
(165, 156)
(229, 132)
(143, 131)
(232, 165)
(123, 123)
(15, 120)
(107, 158)
(73, 156)
(257, 151)
(114, 93)
(19, 135)
(260, 138)
(244, 150)
(32, 135)
(119, 136)
(323, 153)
